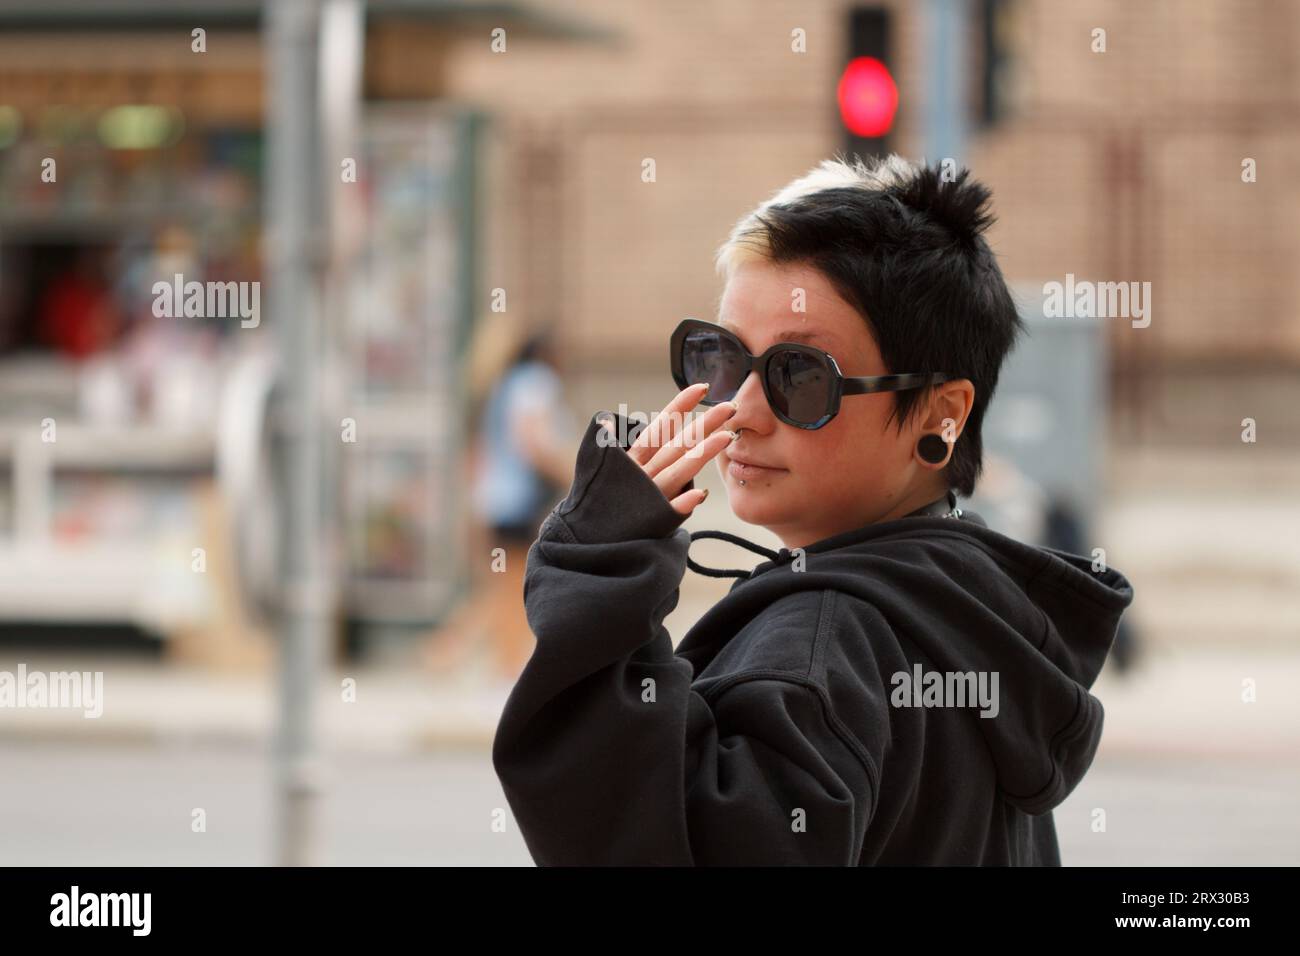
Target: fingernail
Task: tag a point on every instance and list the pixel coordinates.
(734, 436)
(705, 494)
(706, 387)
(734, 404)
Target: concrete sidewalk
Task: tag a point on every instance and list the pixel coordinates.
(394, 710)
(1180, 703)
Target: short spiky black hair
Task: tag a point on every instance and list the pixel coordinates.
(903, 244)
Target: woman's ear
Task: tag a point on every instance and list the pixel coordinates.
(941, 424)
(949, 407)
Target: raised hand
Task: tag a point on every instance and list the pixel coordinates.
(672, 455)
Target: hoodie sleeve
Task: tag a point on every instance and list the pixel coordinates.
(609, 756)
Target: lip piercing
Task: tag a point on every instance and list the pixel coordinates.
(742, 481)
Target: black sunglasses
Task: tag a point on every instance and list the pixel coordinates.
(802, 384)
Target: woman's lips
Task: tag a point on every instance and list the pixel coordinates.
(740, 469)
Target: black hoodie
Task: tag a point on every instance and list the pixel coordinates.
(789, 725)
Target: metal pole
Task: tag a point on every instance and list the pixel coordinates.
(341, 56)
(944, 45)
(291, 201)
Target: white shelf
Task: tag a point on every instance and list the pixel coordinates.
(126, 447)
(93, 583)
(42, 578)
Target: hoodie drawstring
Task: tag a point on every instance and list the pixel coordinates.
(945, 507)
(777, 556)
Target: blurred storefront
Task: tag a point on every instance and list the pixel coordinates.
(132, 151)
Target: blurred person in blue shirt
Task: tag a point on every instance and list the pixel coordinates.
(520, 474)
(522, 464)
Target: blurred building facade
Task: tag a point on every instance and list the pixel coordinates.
(1117, 166)
(1124, 165)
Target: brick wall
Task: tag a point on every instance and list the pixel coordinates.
(1116, 166)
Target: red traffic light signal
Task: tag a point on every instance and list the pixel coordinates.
(868, 97)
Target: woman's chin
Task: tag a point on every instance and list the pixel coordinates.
(750, 507)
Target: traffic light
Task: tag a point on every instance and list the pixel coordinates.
(867, 93)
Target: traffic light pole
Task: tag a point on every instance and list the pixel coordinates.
(944, 46)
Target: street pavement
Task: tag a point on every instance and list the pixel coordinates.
(83, 804)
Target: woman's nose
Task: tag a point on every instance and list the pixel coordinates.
(754, 412)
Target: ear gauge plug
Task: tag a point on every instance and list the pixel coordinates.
(932, 448)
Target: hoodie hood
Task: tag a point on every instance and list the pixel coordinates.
(968, 599)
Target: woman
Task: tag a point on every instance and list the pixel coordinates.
(898, 684)
(523, 462)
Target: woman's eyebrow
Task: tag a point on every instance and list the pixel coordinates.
(794, 335)
(789, 335)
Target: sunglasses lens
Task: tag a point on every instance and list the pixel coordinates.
(713, 358)
(800, 385)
